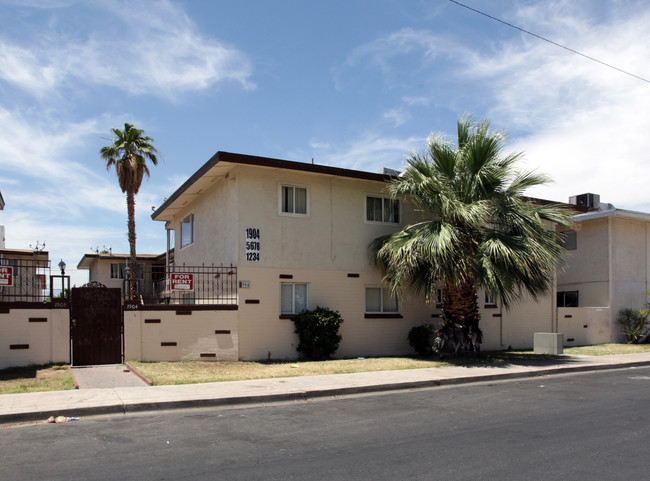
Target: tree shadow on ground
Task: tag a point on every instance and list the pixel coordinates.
(505, 359)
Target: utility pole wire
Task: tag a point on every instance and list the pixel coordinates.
(549, 41)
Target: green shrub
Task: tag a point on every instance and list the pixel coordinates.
(420, 338)
(318, 332)
(634, 323)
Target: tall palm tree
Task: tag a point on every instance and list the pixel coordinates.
(477, 228)
(129, 152)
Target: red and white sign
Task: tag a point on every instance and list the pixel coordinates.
(6, 276)
(182, 282)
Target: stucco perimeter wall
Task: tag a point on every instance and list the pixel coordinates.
(34, 336)
(181, 334)
(584, 326)
(262, 333)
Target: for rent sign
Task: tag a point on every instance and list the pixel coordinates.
(6, 276)
(182, 282)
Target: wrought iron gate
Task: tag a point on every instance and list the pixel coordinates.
(96, 330)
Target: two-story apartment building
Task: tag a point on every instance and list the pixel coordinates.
(608, 264)
(298, 235)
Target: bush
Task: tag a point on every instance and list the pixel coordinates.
(318, 332)
(420, 338)
(635, 324)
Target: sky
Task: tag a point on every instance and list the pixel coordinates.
(357, 84)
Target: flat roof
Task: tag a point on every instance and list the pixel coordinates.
(24, 252)
(86, 260)
(220, 163)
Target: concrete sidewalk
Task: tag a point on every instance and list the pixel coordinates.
(15, 408)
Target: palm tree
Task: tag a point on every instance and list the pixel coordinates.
(129, 152)
(477, 228)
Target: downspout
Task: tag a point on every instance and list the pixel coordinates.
(610, 266)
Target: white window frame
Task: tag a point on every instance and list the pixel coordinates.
(293, 311)
(120, 268)
(385, 292)
(293, 212)
(385, 202)
(188, 219)
(490, 300)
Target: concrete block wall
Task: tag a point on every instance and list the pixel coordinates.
(34, 335)
(181, 333)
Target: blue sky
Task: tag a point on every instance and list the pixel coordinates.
(355, 84)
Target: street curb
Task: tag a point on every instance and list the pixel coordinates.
(306, 395)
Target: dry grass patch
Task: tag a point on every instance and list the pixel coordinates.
(607, 349)
(189, 372)
(53, 377)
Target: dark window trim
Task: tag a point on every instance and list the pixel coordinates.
(379, 315)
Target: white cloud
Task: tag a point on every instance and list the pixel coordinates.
(38, 153)
(582, 123)
(370, 152)
(397, 116)
(155, 49)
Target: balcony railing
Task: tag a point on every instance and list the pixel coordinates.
(187, 285)
(24, 280)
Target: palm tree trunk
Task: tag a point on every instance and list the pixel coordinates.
(130, 207)
(460, 304)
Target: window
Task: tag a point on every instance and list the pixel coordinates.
(567, 299)
(382, 209)
(293, 200)
(187, 231)
(490, 300)
(379, 300)
(117, 271)
(293, 298)
(570, 240)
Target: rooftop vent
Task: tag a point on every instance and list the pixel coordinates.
(391, 172)
(591, 201)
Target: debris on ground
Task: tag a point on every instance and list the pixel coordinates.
(61, 419)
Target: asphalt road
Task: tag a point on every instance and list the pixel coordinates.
(591, 426)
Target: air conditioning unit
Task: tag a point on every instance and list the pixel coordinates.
(591, 201)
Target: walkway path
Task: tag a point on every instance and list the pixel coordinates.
(105, 376)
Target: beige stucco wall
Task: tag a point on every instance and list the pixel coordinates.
(334, 234)
(261, 331)
(194, 335)
(215, 226)
(610, 266)
(48, 341)
(514, 327)
(583, 326)
(630, 263)
(588, 266)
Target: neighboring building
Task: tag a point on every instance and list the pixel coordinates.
(24, 275)
(609, 263)
(110, 270)
(298, 236)
(2, 228)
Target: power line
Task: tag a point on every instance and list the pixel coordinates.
(549, 41)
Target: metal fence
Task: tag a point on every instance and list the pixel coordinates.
(24, 280)
(187, 285)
